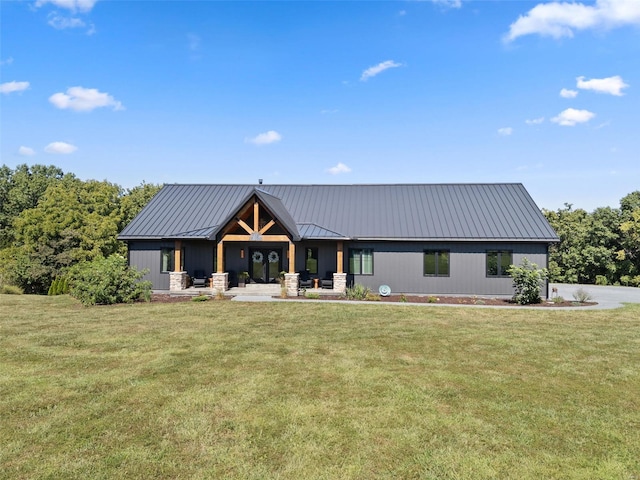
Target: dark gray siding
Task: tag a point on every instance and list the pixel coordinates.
(400, 265)
(146, 256)
(199, 256)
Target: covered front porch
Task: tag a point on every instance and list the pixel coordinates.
(261, 245)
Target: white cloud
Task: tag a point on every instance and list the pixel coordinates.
(84, 100)
(73, 5)
(561, 19)
(329, 111)
(377, 69)
(571, 117)
(534, 121)
(60, 148)
(566, 93)
(8, 61)
(338, 169)
(448, 3)
(26, 151)
(265, 138)
(10, 87)
(505, 131)
(610, 85)
(402, 13)
(61, 23)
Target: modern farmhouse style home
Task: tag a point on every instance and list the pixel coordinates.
(440, 239)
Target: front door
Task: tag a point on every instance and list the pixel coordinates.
(265, 264)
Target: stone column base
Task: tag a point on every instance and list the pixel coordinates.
(340, 282)
(220, 281)
(291, 282)
(177, 281)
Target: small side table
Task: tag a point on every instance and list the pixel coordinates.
(315, 283)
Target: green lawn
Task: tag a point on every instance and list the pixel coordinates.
(316, 390)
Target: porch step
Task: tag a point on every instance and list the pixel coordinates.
(255, 289)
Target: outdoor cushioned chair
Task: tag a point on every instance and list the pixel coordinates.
(199, 279)
(327, 281)
(305, 279)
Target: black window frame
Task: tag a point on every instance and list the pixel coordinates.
(500, 273)
(437, 253)
(171, 253)
(361, 251)
(314, 256)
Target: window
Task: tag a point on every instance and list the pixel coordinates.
(167, 256)
(311, 260)
(436, 263)
(361, 261)
(498, 263)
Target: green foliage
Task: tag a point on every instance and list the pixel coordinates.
(106, 281)
(200, 298)
(432, 299)
(10, 290)
(60, 286)
(357, 292)
(50, 221)
(601, 280)
(372, 297)
(527, 280)
(557, 299)
(312, 295)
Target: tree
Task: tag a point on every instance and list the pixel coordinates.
(22, 189)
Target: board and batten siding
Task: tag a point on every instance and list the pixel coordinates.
(400, 265)
(145, 256)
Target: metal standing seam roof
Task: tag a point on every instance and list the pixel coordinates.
(427, 212)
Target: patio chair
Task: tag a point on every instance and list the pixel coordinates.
(327, 281)
(199, 279)
(305, 279)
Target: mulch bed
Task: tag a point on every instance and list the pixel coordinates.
(501, 302)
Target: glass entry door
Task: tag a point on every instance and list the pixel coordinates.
(265, 264)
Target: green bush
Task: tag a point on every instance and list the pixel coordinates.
(312, 295)
(106, 281)
(200, 298)
(527, 280)
(357, 292)
(10, 290)
(601, 280)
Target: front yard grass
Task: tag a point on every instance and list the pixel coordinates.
(330, 391)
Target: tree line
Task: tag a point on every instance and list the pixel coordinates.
(51, 221)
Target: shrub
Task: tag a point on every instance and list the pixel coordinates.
(312, 295)
(357, 292)
(581, 295)
(557, 299)
(200, 298)
(601, 280)
(11, 290)
(432, 299)
(106, 281)
(372, 297)
(527, 280)
(403, 298)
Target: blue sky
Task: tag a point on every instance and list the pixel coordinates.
(542, 93)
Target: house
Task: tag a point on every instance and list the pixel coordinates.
(439, 239)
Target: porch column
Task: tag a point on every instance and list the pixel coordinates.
(220, 257)
(177, 278)
(177, 256)
(339, 257)
(220, 279)
(292, 257)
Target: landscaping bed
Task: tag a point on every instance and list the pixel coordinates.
(440, 300)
